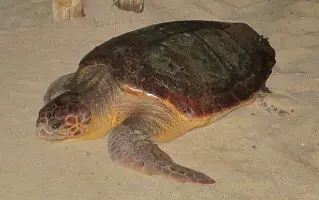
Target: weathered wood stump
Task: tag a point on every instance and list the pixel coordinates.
(67, 9)
(130, 5)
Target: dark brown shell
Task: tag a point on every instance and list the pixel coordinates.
(201, 67)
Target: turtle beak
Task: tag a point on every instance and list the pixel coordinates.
(41, 133)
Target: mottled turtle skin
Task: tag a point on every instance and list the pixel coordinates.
(136, 6)
(155, 84)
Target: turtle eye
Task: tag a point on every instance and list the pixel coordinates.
(55, 123)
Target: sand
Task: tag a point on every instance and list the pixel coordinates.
(251, 153)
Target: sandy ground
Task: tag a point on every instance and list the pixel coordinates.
(250, 153)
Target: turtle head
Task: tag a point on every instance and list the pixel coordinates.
(64, 117)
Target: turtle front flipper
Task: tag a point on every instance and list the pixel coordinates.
(130, 5)
(57, 87)
(134, 149)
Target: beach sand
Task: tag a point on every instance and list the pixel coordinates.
(252, 154)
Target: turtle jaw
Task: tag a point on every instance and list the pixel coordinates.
(64, 132)
(43, 133)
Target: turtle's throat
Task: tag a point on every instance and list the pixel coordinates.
(106, 115)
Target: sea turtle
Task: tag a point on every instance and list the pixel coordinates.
(136, 6)
(154, 84)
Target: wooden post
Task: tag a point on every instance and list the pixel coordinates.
(67, 9)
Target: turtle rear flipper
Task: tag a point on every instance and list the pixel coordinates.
(134, 149)
(130, 5)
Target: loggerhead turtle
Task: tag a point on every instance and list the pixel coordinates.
(155, 84)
